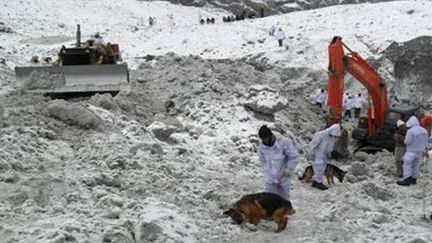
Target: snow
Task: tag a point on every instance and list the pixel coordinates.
(366, 28)
(130, 169)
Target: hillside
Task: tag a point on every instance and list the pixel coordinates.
(163, 159)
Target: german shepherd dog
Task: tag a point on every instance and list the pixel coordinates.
(330, 172)
(254, 207)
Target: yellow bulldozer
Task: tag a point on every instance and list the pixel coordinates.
(86, 68)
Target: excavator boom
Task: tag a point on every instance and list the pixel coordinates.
(378, 130)
(359, 68)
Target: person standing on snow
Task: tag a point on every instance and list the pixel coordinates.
(98, 41)
(416, 139)
(280, 36)
(399, 151)
(272, 30)
(347, 105)
(358, 105)
(279, 158)
(320, 98)
(171, 19)
(321, 147)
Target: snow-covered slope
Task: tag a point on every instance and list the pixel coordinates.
(160, 162)
(40, 28)
(270, 7)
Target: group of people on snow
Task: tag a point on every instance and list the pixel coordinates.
(278, 33)
(151, 21)
(411, 140)
(206, 21)
(353, 105)
(279, 156)
(242, 16)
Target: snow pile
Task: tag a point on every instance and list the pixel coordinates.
(169, 155)
(410, 65)
(73, 114)
(308, 32)
(161, 221)
(265, 100)
(162, 131)
(107, 176)
(161, 161)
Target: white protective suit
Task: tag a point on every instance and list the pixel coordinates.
(280, 34)
(321, 146)
(416, 140)
(99, 41)
(348, 103)
(275, 161)
(359, 102)
(321, 97)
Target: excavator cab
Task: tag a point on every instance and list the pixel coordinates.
(383, 138)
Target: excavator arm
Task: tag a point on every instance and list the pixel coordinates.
(360, 69)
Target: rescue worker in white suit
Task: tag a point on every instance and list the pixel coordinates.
(321, 147)
(280, 36)
(320, 98)
(416, 140)
(279, 158)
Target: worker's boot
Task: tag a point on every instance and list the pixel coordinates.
(319, 185)
(406, 182)
(413, 180)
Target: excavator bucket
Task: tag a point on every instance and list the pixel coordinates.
(72, 79)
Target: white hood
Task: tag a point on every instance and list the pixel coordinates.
(334, 130)
(412, 122)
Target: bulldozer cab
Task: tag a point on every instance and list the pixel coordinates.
(89, 55)
(78, 56)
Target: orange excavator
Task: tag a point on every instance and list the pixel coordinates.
(375, 131)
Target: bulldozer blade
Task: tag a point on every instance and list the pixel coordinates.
(72, 79)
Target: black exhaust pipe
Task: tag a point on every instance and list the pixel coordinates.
(78, 36)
